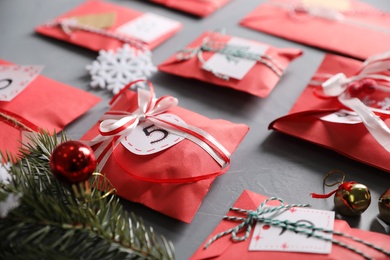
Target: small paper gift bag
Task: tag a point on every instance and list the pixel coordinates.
(43, 104)
(98, 25)
(345, 108)
(227, 61)
(222, 244)
(344, 26)
(162, 155)
(200, 8)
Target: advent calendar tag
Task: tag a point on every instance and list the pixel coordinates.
(235, 67)
(147, 138)
(148, 27)
(272, 238)
(343, 117)
(15, 78)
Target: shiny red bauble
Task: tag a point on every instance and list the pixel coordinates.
(73, 162)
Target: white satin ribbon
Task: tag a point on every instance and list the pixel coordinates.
(337, 85)
(116, 125)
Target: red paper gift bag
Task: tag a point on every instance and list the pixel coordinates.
(225, 248)
(129, 26)
(345, 26)
(44, 104)
(354, 140)
(260, 79)
(200, 8)
(173, 181)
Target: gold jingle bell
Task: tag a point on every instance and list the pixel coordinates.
(351, 198)
(384, 206)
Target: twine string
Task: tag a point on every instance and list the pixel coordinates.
(213, 44)
(298, 227)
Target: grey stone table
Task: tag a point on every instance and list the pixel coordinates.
(266, 162)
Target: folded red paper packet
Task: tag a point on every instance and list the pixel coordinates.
(98, 25)
(201, 8)
(43, 104)
(228, 61)
(220, 243)
(344, 26)
(345, 108)
(161, 155)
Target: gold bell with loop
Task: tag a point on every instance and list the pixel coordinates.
(384, 206)
(350, 198)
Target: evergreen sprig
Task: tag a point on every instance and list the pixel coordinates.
(51, 223)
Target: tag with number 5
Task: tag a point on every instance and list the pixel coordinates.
(148, 138)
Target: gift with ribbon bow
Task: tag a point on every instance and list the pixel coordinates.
(228, 61)
(324, 24)
(98, 25)
(201, 8)
(43, 105)
(231, 238)
(345, 108)
(159, 154)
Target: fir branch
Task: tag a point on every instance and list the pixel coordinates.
(51, 222)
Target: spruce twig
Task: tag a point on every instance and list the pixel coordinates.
(51, 223)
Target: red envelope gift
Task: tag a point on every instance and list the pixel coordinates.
(364, 140)
(90, 26)
(345, 26)
(200, 8)
(227, 61)
(174, 180)
(225, 248)
(44, 104)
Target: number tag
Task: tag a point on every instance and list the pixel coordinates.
(15, 78)
(147, 138)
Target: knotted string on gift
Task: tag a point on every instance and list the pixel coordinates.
(17, 121)
(116, 125)
(342, 185)
(372, 76)
(68, 25)
(214, 43)
(298, 227)
(301, 11)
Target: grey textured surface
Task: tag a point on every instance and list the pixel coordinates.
(266, 162)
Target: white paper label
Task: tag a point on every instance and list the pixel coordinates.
(148, 27)
(235, 67)
(147, 138)
(342, 117)
(15, 78)
(272, 238)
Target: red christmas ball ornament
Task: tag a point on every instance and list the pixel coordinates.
(73, 162)
(355, 88)
(368, 85)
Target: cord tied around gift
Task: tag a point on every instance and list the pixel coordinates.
(303, 12)
(301, 227)
(69, 25)
(372, 76)
(213, 43)
(116, 125)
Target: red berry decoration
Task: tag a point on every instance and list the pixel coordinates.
(354, 88)
(73, 162)
(368, 85)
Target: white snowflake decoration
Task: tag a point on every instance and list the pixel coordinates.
(385, 104)
(113, 70)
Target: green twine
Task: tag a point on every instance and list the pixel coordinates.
(302, 228)
(231, 51)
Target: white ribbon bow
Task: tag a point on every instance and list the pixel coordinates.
(337, 86)
(116, 125)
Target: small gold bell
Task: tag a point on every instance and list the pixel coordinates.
(352, 199)
(384, 206)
